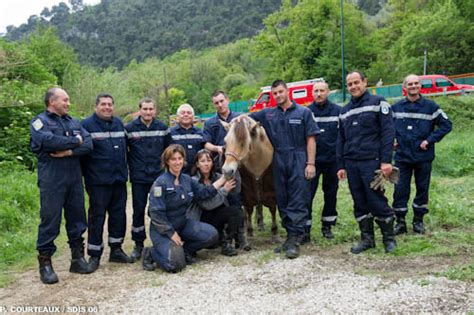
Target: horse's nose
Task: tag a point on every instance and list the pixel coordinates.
(229, 172)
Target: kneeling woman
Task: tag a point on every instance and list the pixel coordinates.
(221, 211)
(175, 238)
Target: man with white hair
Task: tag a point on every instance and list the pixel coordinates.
(419, 124)
(187, 135)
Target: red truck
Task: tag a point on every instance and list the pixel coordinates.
(435, 84)
(301, 92)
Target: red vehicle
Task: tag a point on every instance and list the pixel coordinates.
(301, 92)
(435, 84)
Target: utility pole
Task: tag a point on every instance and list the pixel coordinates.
(425, 61)
(343, 72)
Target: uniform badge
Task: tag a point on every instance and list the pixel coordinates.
(157, 191)
(183, 196)
(385, 108)
(190, 146)
(37, 124)
(409, 127)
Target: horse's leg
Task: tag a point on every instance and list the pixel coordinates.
(275, 236)
(260, 224)
(248, 220)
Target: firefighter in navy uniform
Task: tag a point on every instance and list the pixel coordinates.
(175, 238)
(419, 124)
(292, 132)
(214, 132)
(147, 138)
(326, 115)
(364, 145)
(187, 135)
(58, 141)
(105, 174)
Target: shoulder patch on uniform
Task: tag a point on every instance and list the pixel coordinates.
(384, 107)
(37, 124)
(157, 191)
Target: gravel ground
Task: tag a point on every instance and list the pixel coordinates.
(321, 281)
(305, 285)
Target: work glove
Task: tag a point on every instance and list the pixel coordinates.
(378, 183)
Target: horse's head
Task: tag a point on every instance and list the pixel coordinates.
(241, 131)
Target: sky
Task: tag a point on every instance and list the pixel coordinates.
(17, 12)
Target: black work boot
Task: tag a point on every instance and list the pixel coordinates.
(227, 248)
(94, 262)
(292, 247)
(137, 251)
(367, 238)
(386, 226)
(78, 262)
(400, 226)
(282, 248)
(306, 237)
(241, 241)
(190, 258)
(326, 231)
(117, 255)
(47, 274)
(418, 226)
(148, 263)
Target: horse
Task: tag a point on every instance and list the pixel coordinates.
(248, 149)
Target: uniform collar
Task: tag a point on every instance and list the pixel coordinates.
(51, 114)
(321, 106)
(292, 107)
(229, 118)
(138, 122)
(360, 99)
(179, 127)
(418, 101)
(171, 175)
(96, 117)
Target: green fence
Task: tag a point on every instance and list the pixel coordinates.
(387, 91)
(465, 80)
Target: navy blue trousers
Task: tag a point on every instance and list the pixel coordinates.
(69, 196)
(102, 199)
(366, 200)
(401, 195)
(328, 171)
(292, 189)
(195, 235)
(140, 198)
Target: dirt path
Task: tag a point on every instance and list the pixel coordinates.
(258, 281)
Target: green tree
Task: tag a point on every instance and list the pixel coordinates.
(303, 41)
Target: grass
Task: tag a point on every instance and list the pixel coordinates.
(465, 273)
(19, 207)
(450, 223)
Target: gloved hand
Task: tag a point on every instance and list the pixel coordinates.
(378, 183)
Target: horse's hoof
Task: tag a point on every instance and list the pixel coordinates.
(276, 239)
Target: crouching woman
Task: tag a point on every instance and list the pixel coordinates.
(175, 238)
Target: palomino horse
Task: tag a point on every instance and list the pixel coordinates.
(248, 146)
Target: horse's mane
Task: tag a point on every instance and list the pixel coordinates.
(240, 131)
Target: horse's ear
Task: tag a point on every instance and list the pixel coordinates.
(226, 125)
(253, 130)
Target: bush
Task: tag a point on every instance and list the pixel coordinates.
(19, 213)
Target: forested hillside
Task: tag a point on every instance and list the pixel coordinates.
(116, 31)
